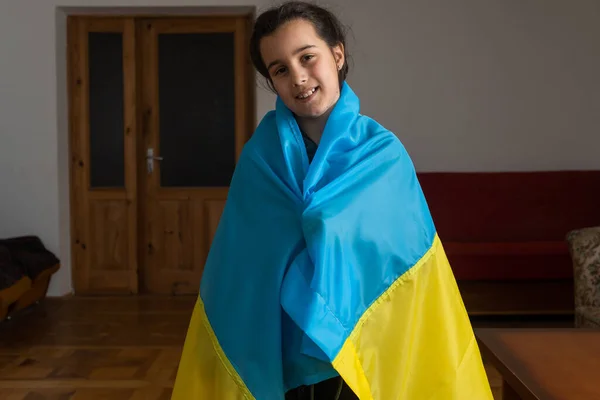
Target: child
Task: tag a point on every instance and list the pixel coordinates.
(326, 273)
(300, 49)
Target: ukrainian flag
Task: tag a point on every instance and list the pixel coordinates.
(328, 268)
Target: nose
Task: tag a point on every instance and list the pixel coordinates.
(299, 77)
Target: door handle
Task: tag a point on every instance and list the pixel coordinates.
(150, 158)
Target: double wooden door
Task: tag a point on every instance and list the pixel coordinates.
(159, 111)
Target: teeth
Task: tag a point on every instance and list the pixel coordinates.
(306, 94)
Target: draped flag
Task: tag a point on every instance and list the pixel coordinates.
(328, 268)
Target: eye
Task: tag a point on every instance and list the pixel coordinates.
(279, 71)
(307, 57)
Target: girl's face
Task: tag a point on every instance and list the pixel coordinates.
(303, 68)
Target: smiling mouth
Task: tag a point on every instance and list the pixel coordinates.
(307, 95)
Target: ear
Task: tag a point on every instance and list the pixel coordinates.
(338, 55)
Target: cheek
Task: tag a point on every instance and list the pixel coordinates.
(284, 91)
(280, 87)
(326, 73)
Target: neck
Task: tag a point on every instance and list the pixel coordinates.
(313, 127)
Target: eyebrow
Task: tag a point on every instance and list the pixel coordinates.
(298, 50)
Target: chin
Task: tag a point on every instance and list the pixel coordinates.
(315, 114)
(311, 112)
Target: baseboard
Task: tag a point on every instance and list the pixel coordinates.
(526, 297)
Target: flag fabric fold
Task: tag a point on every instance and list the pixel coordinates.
(328, 268)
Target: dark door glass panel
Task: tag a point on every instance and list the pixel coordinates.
(105, 57)
(197, 110)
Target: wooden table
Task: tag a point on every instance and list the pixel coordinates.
(544, 364)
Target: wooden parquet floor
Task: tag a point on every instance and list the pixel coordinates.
(117, 348)
(124, 348)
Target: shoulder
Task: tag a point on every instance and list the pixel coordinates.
(264, 134)
(267, 127)
(386, 143)
(376, 131)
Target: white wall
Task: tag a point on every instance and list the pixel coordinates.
(468, 85)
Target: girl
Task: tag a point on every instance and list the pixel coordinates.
(300, 49)
(326, 277)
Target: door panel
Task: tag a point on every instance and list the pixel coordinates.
(106, 109)
(194, 88)
(182, 88)
(103, 149)
(196, 99)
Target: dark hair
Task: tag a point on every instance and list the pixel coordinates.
(326, 24)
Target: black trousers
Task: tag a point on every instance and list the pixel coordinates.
(326, 390)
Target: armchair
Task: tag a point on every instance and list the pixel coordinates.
(584, 247)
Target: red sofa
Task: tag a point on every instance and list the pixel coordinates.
(507, 231)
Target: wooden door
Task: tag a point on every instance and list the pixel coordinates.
(102, 81)
(195, 87)
(159, 111)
